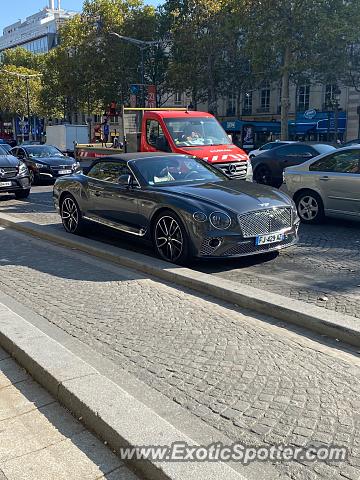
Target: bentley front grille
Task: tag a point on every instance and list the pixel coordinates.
(262, 222)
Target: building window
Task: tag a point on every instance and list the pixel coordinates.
(332, 92)
(247, 107)
(178, 98)
(231, 105)
(265, 98)
(303, 98)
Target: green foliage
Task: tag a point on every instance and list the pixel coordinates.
(21, 57)
(13, 94)
(208, 48)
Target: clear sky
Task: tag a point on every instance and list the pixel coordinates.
(13, 10)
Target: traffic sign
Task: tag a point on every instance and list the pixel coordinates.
(134, 89)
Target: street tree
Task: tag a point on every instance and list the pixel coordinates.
(288, 39)
(21, 57)
(15, 98)
(197, 48)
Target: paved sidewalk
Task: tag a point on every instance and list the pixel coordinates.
(40, 440)
(254, 382)
(323, 269)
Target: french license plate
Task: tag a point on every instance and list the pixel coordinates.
(5, 184)
(64, 172)
(271, 238)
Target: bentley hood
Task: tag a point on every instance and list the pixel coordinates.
(236, 195)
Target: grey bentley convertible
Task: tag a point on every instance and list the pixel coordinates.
(183, 205)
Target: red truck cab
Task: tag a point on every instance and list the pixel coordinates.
(175, 130)
(192, 133)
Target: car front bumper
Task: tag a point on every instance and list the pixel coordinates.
(52, 173)
(17, 183)
(237, 246)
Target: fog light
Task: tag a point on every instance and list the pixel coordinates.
(215, 242)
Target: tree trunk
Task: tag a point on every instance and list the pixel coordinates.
(238, 104)
(285, 101)
(212, 100)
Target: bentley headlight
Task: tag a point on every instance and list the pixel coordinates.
(220, 220)
(40, 165)
(76, 166)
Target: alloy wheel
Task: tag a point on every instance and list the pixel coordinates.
(70, 215)
(169, 238)
(308, 208)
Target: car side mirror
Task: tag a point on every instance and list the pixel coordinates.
(162, 144)
(126, 180)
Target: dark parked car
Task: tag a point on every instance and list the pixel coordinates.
(45, 162)
(268, 167)
(268, 146)
(14, 175)
(355, 141)
(185, 206)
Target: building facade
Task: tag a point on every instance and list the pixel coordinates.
(38, 33)
(317, 112)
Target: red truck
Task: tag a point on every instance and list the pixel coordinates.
(178, 131)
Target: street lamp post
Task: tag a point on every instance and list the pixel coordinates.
(142, 45)
(26, 77)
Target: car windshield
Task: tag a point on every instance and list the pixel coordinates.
(39, 151)
(193, 132)
(177, 170)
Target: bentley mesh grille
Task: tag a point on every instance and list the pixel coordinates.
(262, 222)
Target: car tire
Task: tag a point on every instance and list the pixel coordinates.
(71, 216)
(310, 207)
(22, 193)
(262, 174)
(170, 238)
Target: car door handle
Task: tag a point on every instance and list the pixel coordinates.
(324, 179)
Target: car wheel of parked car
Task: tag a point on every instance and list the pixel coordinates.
(22, 193)
(170, 238)
(262, 174)
(310, 207)
(71, 215)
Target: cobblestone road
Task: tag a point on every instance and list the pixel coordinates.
(323, 268)
(254, 382)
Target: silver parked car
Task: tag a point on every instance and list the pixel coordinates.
(328, 185)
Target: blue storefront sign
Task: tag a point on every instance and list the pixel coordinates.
(321, 122)
(238, 126)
